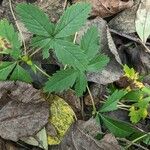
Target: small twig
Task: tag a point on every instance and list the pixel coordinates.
(65, 4)
(92, 99)
(129, 37)
(21, 35)
(146, 48)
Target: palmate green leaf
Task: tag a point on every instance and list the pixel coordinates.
(72, 19)
(98, 63)
(20, 74)
(8, 33)
(90, 42)
(81, 83)
(112, 100)
(46, 43)
(70, 54)
(61, 80)
(118, 128)
(35, 19)
(5, 69)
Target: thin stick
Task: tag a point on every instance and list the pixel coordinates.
(92, 99)
(128, 37)
(65, 4)
(21, 35)
(146, 48)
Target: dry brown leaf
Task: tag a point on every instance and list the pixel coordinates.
(78, 139)
(106, 8)
(125, 20)
(23, 112)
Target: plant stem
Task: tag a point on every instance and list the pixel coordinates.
(35, 52)
(92, 100)
(137, 139)
(127, 141)
(123, 105)
(43, 72)
(123, 108)
(75, 37)
(21, 35)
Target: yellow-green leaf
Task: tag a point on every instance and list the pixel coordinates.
(61, 117)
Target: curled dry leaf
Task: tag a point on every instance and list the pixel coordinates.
(23, 111)
(106, 8)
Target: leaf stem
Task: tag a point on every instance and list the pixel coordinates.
(123, 105)
(127, 141)
(15, 19)
(35, 52)
(92, 100)
(43, 72)
(137, 139)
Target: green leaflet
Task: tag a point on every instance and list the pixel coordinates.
(11, 37)
(90, 42)
(20, 74)
(112, 100)
(118, 128)
(70, 54)
(35, 19)
(5, 69)
(81, 83)
(72, 19)
(98, 63)
(61, 80)
(46, 43)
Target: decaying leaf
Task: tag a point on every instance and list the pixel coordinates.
(73, 100)
(23, 111)
(62, 116)
(52, 7)
(125, 20)
(40, 139)
(112, 47)
(106, 8)
(143, 20)
(77, 138)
